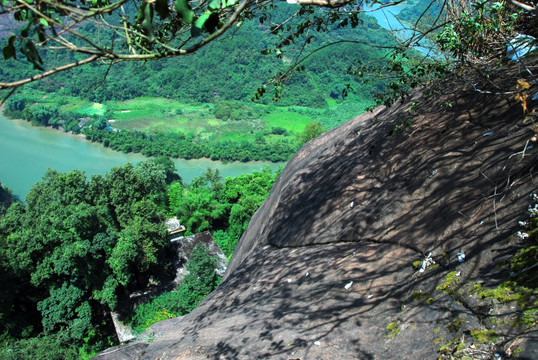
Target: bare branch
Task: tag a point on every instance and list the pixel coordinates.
(138, 44)
(45, 74)
(11, 92)
(524, 6)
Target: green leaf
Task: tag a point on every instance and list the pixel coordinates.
(9, 50)
(208, 21)
(214, 4)
(221, 4)
(196, 29)
(30, 51)
(20, 15)
(140, 13)
(145, 17)
(147, 24)
(184, 10)
(41, 34)
(212, 23)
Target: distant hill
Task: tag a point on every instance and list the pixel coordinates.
(7, 24)
(231, 69)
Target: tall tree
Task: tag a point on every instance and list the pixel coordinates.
(86, 244)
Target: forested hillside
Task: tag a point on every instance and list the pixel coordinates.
(230, 69)
(207, 98)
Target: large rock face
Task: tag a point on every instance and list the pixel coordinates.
(324, 270)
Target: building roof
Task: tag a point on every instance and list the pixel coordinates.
(173, 226)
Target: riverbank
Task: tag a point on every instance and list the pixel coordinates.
(28, 151)
(226, 131)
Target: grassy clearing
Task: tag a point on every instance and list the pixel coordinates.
(156, 114)
(93, 109)
(153, 115)
(75, 105)
(292, 121)
(162, 115)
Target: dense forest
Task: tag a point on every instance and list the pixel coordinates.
(77, 248)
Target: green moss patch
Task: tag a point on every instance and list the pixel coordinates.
(455, 325)
(451, 281)
(484, 336)
(393, 329)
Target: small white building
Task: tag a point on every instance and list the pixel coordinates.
(174, 228)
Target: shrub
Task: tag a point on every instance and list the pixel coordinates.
(201, 280)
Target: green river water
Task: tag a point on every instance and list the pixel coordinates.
(26, 152)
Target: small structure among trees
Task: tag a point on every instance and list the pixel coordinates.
(197, 260)
(174, 229)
